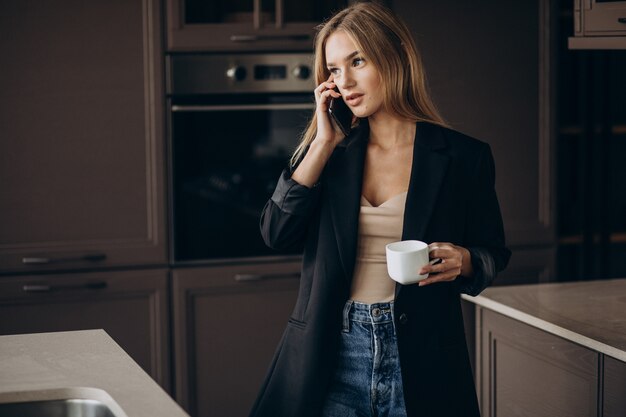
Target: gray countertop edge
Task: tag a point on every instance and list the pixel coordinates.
(546, 326)
(85, 364)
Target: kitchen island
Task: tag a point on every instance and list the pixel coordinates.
(79, 365)
(552, 350)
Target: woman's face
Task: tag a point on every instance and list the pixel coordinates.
(358, 81)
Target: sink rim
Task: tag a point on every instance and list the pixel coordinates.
(63, 394)
(67, 407)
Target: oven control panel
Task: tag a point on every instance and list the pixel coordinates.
(250, 73)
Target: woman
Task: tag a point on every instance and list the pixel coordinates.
(357, 343)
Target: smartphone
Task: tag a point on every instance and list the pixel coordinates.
(341, 114)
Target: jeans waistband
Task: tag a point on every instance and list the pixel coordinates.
(376, 313)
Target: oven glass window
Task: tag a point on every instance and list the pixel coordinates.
(226, 162)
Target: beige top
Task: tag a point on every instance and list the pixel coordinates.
(378, 226)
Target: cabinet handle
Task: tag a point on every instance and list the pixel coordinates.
(261, 277)
(100, 285)
(244, 107)
(254, 38)
(621, 19)
(96, 257)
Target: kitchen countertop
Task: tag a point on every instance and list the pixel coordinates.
(80, 364)
(590, 313)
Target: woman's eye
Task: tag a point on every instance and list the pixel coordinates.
(358, 61)
(334, 71)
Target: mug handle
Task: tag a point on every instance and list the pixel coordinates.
(436, 260)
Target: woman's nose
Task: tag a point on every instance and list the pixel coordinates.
(346, 81)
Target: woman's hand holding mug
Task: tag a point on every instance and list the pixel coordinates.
(455, 261)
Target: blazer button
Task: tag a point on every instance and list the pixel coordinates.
(403, 318)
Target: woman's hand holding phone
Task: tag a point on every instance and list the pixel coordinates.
(328, 136)
(326, 130)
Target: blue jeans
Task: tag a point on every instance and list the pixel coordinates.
(367, 379)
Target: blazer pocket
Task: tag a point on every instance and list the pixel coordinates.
(297, 323)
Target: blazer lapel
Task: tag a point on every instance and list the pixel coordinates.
(427, 173)
(345, 181)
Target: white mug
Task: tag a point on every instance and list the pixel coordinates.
(405, 259)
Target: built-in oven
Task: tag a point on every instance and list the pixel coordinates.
(234, 122)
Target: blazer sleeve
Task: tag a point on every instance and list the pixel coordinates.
(484, 237)
(286, 215)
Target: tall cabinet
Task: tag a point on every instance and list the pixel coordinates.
(490, 71)
(82, 200)
(489, 68)
(82, 139)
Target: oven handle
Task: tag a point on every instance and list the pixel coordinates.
(240, 107)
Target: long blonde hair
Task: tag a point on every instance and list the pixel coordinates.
(387, 43)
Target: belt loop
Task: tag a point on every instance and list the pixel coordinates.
(346, 316)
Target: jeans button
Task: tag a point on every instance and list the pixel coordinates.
(403, 318)
(376, 312)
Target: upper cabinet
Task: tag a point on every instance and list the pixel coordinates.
(245, 25)
(81, 122)
(599, 24)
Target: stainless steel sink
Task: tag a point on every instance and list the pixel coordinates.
(56, 408)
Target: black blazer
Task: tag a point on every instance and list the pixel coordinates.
(451, 198)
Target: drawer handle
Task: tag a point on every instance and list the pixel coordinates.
(99, 285)
(621, 19)
(261, 277)
(255, 38)
(96, 257)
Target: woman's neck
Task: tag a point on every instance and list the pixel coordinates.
(388, 131)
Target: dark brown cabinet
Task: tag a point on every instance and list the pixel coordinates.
(81, 122)
(228, 321)
(598, 24)
(525, 371)
(130, 306)
(494, 81)
(245, 25)
(614, 388)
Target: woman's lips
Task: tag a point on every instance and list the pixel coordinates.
(354, 99)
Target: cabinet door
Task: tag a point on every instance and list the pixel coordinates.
(245, 25)
(131, 306)
(604, 18)
(505, 101)
(81, 122)
(527, 372)
(228, 321)
(614, 388)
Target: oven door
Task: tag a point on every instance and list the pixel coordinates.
(227, 155)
